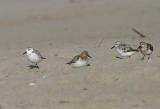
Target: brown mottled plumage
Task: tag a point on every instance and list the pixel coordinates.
(146, 49)
(84, 55)
(80, 60)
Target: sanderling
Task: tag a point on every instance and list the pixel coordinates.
(80, 60)
(124, 50)
(34, 56)
(146, 49)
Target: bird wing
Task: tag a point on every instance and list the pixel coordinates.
(130, 49)
(38, 53)
(74, 59)
(149, 46)
(127, 48)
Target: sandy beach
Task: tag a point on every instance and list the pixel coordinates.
(61, 29)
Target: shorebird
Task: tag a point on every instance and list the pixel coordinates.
(34, 56)
(124, 50)
(146, 49)
(80, 60)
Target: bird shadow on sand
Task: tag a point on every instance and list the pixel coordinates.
(33, 67)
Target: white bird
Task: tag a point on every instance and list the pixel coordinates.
(124, 50)
(34, 56)
(80, 60)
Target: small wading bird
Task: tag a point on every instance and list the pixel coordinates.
(80, 60)
(34, 56)
(124, 50)
(146, 49)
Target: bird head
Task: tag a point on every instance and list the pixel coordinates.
(28, 51)
(85, 54)
(116, 44)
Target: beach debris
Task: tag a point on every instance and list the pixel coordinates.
(85, 89)
(100, 42)
(139, 33)
(63, 102)
(43, 77)
(32, 84)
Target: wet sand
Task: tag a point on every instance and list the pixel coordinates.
(61, 29)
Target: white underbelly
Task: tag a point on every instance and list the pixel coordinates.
(80, 63)
(149, 52)
(34, 58)
(125, 54)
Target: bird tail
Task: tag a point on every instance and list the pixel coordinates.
(43, 58)
(69, 62)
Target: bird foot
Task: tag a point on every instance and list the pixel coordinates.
(33, 66)
(119, 57)
(88, 65)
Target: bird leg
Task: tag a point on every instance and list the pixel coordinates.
(149, 57)
(37, 66)
(143, 57)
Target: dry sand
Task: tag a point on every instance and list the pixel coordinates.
(61, 29)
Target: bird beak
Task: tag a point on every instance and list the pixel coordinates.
(24, 53)
(113, 47)
(89, 56)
